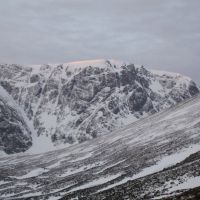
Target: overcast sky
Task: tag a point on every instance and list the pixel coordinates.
(160, 34)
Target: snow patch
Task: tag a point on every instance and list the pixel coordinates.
(33, 173)
(101, 63)
(170, 74)
(96, 182)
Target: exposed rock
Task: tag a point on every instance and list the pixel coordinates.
(15, 135)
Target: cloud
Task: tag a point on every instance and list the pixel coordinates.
(159, 34)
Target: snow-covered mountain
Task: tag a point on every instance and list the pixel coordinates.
(154, 158)
(74, 102)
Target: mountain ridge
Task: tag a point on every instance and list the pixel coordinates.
(77, 101)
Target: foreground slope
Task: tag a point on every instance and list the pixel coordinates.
(156, 157)
(74, 102)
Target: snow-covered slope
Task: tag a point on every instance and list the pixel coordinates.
(77, 101)
(153, 158)
(15, 135)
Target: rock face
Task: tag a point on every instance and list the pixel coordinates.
(14, 133)
(77, 101)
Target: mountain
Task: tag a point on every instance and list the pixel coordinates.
(15, 135)
(74, 102)
(154, 158)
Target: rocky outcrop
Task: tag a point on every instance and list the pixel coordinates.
(15, 135)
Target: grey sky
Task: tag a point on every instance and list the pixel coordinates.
(156, 33)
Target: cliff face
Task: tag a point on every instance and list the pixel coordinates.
(77, 101)
(15, 135)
